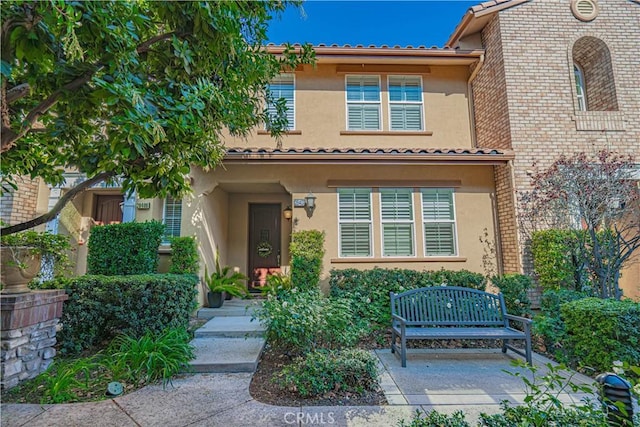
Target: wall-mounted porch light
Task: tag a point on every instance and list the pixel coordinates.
(287, 213)
(310, 199)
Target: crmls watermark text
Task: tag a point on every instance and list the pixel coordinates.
(309, 418)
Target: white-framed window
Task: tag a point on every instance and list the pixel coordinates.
(363, 103)
(171, 218)
(283, 87)
(405, 103)
(354, 222)
(397, 222)
(580, 87)
(439, 222)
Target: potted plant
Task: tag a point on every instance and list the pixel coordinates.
(21, 256)
(224, 281)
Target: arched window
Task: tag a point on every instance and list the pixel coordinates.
(593, 71)
(580, 89)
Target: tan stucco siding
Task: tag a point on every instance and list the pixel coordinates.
(321, 112)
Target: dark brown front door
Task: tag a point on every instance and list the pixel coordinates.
(264, 243)
(108, 209)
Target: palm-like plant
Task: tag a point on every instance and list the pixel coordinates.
(225, 280)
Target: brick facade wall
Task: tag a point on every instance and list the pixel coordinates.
(20, 206)
(535, 48)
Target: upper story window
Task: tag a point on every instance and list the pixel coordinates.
(405, 103)
(580, 88)
(396, 206)
(354, 222)
(171, 218)
(592, 63)
(363, 103)
(282, 89)
(439, 221)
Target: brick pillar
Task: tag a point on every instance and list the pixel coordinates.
(28, 332)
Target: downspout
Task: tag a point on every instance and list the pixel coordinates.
(472, 116)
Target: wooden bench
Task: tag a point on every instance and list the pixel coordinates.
(450, 312)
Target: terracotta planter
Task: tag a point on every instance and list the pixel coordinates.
(19, 266)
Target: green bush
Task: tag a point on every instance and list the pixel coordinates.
(552, 259)
(101, 307)
(600, 332)
(549, 325)
(123, 249)
(307, 251)
(369, 289)
(436, 419)
(514, 288)
(151, 357)
(321, 371)
(184, 256)
(301, 321)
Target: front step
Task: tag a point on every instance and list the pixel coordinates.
(215, 355)
(234, 307)
(230, 327)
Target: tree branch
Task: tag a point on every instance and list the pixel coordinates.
(17, 92)
(67, 197)
(145, 46)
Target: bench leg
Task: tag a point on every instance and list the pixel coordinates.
(504, 345)
(393, 341)
(528, 349)
(403, 350)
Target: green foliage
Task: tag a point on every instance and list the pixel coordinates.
(514, 288)
(52, 247)
(301, 321)
(554, 259)
(135, 362)
(139, 90)
(307, 251)
(369, 289)
(123, 249)
(225, 280)
(184, 256)
(101, 307)
(277, 285)
(600, 332)
(549, 325)
(436, 419)
(151, 357)
(321, 371)
(542, 405)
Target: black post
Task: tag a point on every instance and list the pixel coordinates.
(615, 394)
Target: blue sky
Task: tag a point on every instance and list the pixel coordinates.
(368, 22)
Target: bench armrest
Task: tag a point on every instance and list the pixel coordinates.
(521, 319)
(399, 319)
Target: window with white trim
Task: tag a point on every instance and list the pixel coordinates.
(439, 222)
(171, 218)
(405, 103)
(580, 87)
(396, 206)
(283, 87)
(363, 103)
(354, 222)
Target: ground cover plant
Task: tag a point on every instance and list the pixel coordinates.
(135, 362)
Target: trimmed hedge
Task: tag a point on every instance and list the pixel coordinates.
(307, 251)
(369, 289)
(123, 249)
(552, 252)
(184, 256)
(601, 331)
(101, 307)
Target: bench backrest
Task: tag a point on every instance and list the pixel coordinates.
(449, 306)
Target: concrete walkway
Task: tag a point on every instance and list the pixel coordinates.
(473, 381)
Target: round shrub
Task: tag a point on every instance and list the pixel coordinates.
(514, 288)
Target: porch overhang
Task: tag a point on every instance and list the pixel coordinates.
(387, 156)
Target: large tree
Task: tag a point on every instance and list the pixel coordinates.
(139, 90)
(599, 198)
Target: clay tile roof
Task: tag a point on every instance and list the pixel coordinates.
(450, 155)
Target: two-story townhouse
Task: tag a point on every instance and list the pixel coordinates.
(558, 77)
